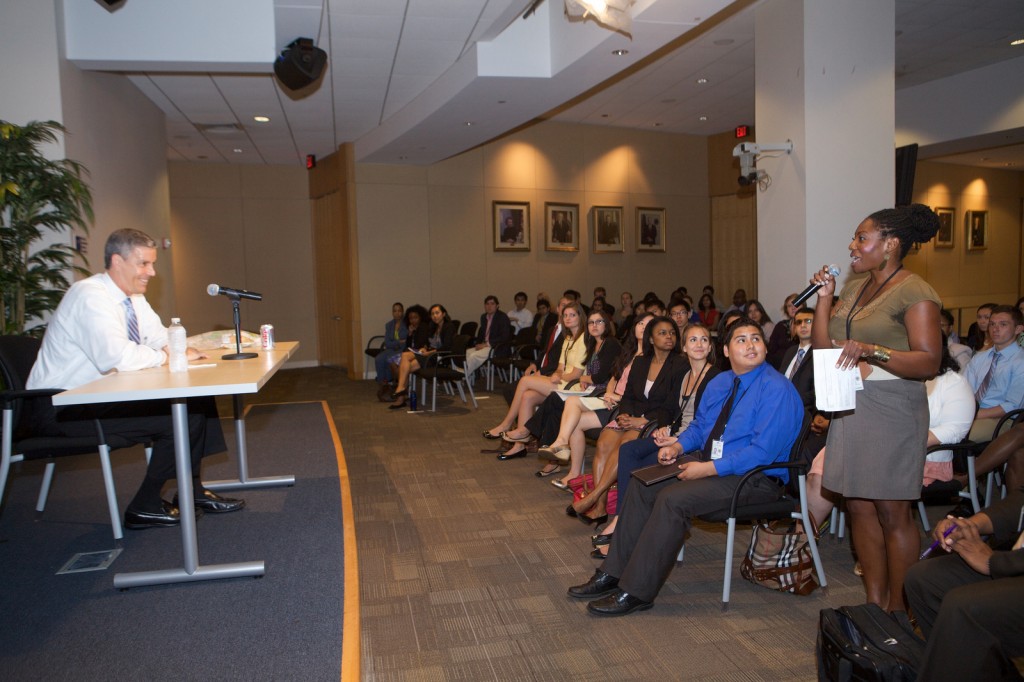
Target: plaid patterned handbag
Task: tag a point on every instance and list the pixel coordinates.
(778, 558)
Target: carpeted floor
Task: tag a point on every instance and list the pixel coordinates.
(464, 562)
(286, 625)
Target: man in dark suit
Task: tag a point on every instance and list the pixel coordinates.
(550, 349)
(495, 328)
(798, 366)
(970, 603)
(544, 321)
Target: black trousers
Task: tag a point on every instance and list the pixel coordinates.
(547, 420)
(654, 520)
(146, 421)
(974, 624)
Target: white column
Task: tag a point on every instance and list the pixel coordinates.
(825, 80)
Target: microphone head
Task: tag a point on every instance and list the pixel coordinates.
(213, 289)
(832, 270)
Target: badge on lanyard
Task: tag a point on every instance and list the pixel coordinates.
(717, 446)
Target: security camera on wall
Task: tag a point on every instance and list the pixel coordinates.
(747, 152)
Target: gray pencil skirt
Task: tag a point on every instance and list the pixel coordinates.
(877, 450)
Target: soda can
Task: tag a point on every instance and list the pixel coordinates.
(267, 336)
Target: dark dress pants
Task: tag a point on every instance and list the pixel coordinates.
(147, 421)
(654, 521)
(547, 420)
(974, 624)
(633, 455)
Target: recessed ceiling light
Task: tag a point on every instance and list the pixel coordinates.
(703, 118)
(620, 53)
(1018, 41)
(237, 150)
(702, 80)
(468, 123)
(261, 119)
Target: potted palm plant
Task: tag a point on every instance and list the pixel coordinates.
(40, 200)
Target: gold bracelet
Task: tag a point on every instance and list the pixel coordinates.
(881, 353)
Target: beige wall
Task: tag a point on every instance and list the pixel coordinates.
(965, 279)
(425, 234)
(246, 227)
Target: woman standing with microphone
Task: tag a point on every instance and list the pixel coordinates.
(887, 325)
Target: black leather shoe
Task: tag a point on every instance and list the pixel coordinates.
(167, 516)
(601, 539)
(215, 504)
(569, 511)
(512, 455)
(598, 554)
(591, 520)
(618, 604)
(488, 436)
(599, 585)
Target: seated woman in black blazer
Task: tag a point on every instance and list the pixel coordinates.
(652, 394)
(438, 337)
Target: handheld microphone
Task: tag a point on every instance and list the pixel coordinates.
(215, 289)
(806, 293)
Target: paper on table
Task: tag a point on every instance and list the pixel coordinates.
(835, 389)
(563, 394)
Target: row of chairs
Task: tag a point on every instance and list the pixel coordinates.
(24, 409)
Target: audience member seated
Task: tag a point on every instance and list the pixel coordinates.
(625, 308)
(582, 414)
(781, 339)
(722, 360)
(544, 321)
(654, 305)
(739, 302)
(996, 374)
(440, 334)
(639, 310)
(549, 350)
(707, 311)
(748, 417)
(798, 367)
(521, 317)
(651, 395)
(700, 353)
(495, 328)
(395, 333)
(756, 312)
(968, 602)
(961, 354)
(416, 335)
(1008, 449)
(977, 333)
(533, 389)
(680, 314)
(602, 349)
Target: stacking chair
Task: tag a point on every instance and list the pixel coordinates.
(442, 367)
(469, 329)
(373, 348)
(23, 408)
(791, 505)
(503, 358)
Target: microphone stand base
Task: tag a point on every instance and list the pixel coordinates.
(239, 356)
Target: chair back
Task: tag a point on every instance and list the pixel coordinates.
(17, 355)
(461, 342)
(469, 329)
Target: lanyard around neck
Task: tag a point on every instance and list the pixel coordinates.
(853, 308)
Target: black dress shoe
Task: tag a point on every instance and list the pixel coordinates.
(399, 394)
(590, 520)
(598, 554)
(511, 455)
(618, 604)
(601, 539)
(489, 436)
(167, 516)
(599, 585)
(215, 504)
(569, 511)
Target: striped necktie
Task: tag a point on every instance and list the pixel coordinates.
(983, 388)
(133, 322)
(796, 364)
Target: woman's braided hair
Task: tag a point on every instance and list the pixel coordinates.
(914, 224)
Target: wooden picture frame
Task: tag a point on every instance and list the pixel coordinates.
(607, 233)
(976, 230)
(650, 229)
(511, 225)
(946, 236)
(561, 227)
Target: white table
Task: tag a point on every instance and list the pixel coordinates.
(228, 377)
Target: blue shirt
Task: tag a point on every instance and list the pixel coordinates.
(766, 417)
(1006, 390)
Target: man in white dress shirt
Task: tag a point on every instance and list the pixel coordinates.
(104, 325)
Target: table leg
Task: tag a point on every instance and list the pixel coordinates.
(244, 482)
(191, 571)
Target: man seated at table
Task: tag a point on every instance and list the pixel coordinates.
(103, 325)
(748, 417)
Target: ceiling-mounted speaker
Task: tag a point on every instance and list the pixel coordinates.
(300, 64)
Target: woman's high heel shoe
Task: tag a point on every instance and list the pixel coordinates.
(490, 436)
(397, 406)
(399, 394)
(591, 520)
(601, 540)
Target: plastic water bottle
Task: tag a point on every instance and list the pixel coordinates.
(412, 398)
(177, 347)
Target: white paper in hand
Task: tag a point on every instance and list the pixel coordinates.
(835, 389)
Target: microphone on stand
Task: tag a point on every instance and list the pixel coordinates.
(215, 289)
(809, 291)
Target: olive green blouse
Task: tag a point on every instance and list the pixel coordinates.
(882, 320)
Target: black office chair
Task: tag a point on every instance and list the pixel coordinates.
(374, 347)
(469, 329)
(441, 367)
(23, 409)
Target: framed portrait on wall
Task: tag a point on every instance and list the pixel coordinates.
(511, 225)
(606, 226)
(946, 235)
(977, 230)
(650, 229)
(561, 227)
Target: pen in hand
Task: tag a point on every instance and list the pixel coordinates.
(935, 544)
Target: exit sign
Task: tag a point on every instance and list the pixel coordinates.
(742, 131)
